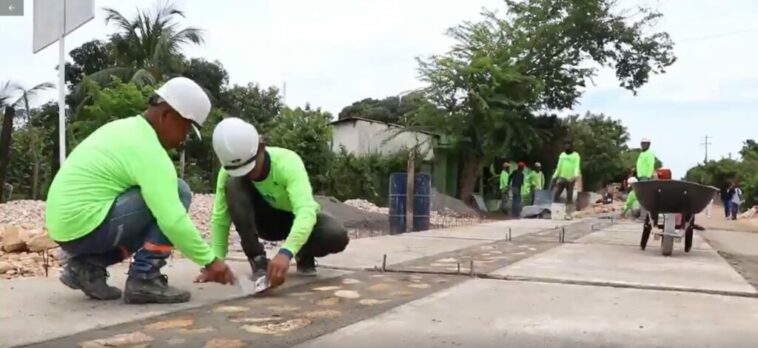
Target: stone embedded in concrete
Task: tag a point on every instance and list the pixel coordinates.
(169, 324)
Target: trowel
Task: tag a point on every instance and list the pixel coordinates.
(249, 287)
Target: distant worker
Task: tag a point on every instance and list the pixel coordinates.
(536, 180)
(567, 171)
(118, 194)
(505, 174)
(265, 191)
(516, 183)
(736, 200)
(645, 162)
(631, 205)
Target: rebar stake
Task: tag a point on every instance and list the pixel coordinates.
(459, 268)
(471, 268)
(510, 237)
(384, 262)
(563, 235)
(45, 262)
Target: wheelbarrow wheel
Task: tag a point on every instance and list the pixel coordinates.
(667, 245)
(688, 236)
(645, 235)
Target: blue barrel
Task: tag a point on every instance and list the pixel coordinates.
(397, 192)
(422, 201)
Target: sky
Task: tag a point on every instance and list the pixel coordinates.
(331, 53)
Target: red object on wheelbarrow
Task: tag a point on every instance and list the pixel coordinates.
(670, 198)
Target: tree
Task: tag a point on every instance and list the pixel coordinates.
(17, 100)
(147, 48)
(89, 58)
(309, 133)
(390, 110)
(252, 103)
(210, 75)
(601, 142)
(503, 69)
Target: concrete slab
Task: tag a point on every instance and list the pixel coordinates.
(629, 234)
(699, 269)
(484, 313)
(487, 231)
(43, 308)
(368, 252)
(742, 243)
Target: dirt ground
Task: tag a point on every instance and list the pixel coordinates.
(718, 221)
(745, 265)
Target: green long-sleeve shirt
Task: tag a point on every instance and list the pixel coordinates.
(631, 202)
(646, 164)
(504, 176)
(569, 166)
(287, 188)
(537, 179)
(117, 156)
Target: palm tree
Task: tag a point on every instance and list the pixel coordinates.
(16, 100)
(147, 47)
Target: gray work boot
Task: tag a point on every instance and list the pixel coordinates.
(306, 265)
(89, 278)
(152, 288)
(259, 264)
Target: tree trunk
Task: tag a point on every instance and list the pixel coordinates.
(5, 147)
(470, 171)
(35, 172)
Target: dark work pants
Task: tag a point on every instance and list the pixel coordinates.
(129, 228)
(254, 218)
(563, 184)
(516, 206)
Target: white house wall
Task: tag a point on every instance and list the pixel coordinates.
(363, 137)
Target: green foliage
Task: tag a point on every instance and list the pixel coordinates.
(720, 173)
(601, 141)
(366, 177)
(309, 133)
(107, 104)
(390, 110)
(210, 75)
(252, 103)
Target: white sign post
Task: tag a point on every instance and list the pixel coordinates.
(53, 20)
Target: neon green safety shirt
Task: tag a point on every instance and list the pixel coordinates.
(646, 164)
(537, 179)
(631, 202)
(287, 188)
(504, 180)
(568, 166)
(117, 156)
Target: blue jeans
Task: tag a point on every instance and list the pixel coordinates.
(129, 228)
(727, 208)
(516, 205)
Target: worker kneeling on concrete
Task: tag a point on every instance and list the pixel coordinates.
(266, 193)
(118, 194)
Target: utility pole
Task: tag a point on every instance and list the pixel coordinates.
(706, 143)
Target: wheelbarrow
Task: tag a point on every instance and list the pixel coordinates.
(677, 202)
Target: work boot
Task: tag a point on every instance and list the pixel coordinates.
(259, 264)
(306, 265)
(152, 288)
(89, 278)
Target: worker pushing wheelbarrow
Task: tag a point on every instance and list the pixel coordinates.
(671, 206)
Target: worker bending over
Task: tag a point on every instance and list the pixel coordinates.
(567, 171)
(266, 193)
(118, 194)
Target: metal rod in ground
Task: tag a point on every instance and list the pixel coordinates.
(471, 268)
(384, 262)
(459, 268)
(563, 234)
(510, 237)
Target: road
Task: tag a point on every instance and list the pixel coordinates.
(528, 287)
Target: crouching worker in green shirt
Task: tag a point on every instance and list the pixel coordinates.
(266, 193)
(117, 194)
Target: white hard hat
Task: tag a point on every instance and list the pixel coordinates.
(236, 145)
(631, 180)
(645, 140)
(188, 99)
